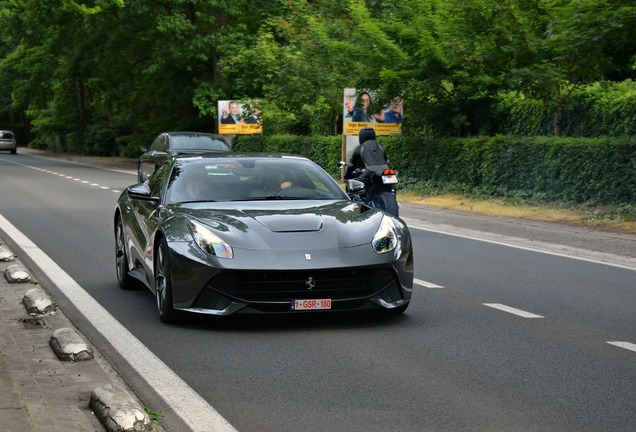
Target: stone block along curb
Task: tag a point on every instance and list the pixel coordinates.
(68, 345)
(6, 254)
(118, 411)
(17, 273)
(37, 302)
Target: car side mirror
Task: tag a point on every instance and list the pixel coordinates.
(354, 187)
(141, 192)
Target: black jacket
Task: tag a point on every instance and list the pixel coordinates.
(369, 156)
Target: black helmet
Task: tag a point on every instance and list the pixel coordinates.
(366, 134)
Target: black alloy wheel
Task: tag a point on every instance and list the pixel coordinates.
(163, 286)
(121, 258)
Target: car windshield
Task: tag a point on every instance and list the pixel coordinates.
(198, 142)
(6, 135)
(250, 179)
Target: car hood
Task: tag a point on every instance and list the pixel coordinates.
(280, 225)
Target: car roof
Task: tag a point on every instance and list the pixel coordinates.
(185, 137)
(182, 133)
(184, 157)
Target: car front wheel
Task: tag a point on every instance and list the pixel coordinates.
(121, 258)
(163, 286)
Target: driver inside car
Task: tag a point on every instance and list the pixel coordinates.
(271, 183)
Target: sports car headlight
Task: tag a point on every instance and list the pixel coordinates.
(385, 239)
(209, 242)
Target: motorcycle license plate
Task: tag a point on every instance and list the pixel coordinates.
(311, 304)
(389, 179)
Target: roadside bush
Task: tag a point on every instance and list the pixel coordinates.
(324, 150)
(38, 144)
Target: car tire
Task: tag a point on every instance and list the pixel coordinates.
(121, 258)
(14, 151)
(163, 284)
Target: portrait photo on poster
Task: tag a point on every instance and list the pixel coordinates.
(237, 117)
(360, 110)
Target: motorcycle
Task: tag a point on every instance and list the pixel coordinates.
(375, 188)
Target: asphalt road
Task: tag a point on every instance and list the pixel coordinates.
(497, 338)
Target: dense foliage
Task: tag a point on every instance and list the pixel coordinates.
(96, 75)
(600, 109)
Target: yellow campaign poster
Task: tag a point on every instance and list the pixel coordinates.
(237, 117)
(388, 128)
(358, 113)
(240, 129)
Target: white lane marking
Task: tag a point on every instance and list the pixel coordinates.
(131, 172)
(627, 345)
(426, 284)
(511, 242)
(69, 177)
(512, 310)
(187, 404)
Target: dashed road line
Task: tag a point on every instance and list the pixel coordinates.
(64, 176)
(626, 345)
(512, 310)
(427, 284)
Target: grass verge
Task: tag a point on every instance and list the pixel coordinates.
(601, 218)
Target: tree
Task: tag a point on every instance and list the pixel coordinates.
(126, 70)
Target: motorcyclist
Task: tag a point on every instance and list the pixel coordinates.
(368, 158)
(367, 164)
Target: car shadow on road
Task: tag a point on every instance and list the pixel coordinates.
(295, 322)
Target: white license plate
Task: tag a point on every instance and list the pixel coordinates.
(311, 304)
(389, 179)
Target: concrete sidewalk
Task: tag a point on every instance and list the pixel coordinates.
(51, 379)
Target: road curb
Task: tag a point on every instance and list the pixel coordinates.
(68, 345)
(37, 302)
(118, 411)
(42, 384)
(17, 273)
(6, 254)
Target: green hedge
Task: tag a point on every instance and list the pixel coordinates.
(324, 150)
(581, 170)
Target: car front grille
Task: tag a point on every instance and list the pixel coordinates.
(273, 286)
